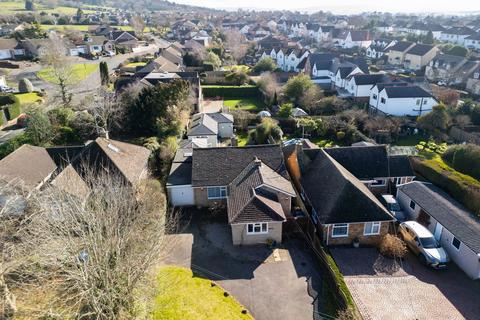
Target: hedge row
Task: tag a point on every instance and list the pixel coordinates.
(230, 91)
(464, 158)
(464, 189)
(11, 103)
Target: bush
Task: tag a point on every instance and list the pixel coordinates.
(464, 158)
(13, 144)
(12, 105)
(230, 91)
(392, 247)
(25, 86)
(265, 64)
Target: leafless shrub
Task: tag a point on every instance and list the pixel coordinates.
(392, 247)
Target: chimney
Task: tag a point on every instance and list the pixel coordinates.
(258, 162)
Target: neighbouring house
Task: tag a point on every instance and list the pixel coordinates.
(397, 52)
(11, 49)
(318, 66)
(251, 181)
(457, 35)
(211, 126)
(473, 82)
(295, 60)
(400, 99)
(454, 227)
(453, 70)
(343, 73)
(419, 56)
(473, 42)
(34, 48)
(92, 45)
(29, 166)
(124, 39)
(359, 85)
(341, 207)
(354, 39)
(379, 48)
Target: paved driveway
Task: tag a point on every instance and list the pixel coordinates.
(278, 284)
(385, 289)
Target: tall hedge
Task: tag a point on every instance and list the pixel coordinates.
(230, 91)
(464, 158)
(12, 104)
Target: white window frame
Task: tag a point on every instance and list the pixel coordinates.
(258, 224)
(459, 243)
(221, 189)
(372, 224)
(340, 225)
(376, 184)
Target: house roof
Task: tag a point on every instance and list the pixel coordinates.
(71, 182)
(221, 117)
(219, 166)
(340, 197)
(8, 44)
(180, 173)
(401, 46)
(253, 194)
(28, 165)
(131, 160)
(460, 31)
(400, 166)
(448, 212)
(354, 159)
(367, 79)
(408, 91)
(202, 124)
(420, 49)
(360, 35)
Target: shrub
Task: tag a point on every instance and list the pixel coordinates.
(25, 86)
(12, 105)
(265, 64)
(464, 158)
(392, 247)
(230, 91)
(340, 135)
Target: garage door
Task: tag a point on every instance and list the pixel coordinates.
(181, 195)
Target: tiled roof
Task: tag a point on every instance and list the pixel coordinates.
(420, 49)
(407, 92)
(401, 46)
(202, 124)
(337, 196)
(449, 213)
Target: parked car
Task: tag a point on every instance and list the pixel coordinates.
(108, 53)
(392, 205)
(424, 245)
(6, 89)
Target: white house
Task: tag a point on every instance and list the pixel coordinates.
(456, 35)
(343, 73)
(473, 42)
(359, 85)
(450, 223)
(401, 99)
(354, 38)
(292, 59)
(379, 48)
(210, 126)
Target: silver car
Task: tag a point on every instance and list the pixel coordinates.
(424, 245)
(392, 205)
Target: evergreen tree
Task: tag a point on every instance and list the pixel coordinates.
(29, 5)
(429, 38)
(104, 76)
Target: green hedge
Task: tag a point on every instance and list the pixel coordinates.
(13, 144)
(230, 91)
(12, 104)
(462, 188)
(464, 158)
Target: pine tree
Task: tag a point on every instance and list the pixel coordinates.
(104, 76)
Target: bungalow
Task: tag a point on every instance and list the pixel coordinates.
(124, 39)
(419, 56)
(341, 206)
(454, 227)
(401, 99)
(252, 181)
(34, 48)
(10, 49)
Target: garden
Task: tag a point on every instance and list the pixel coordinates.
(80, 71)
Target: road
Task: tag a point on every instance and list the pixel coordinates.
(85, 87)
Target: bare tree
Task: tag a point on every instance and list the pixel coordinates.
(236, 43)
(269, 85)
(138, 25)
(95, 251)
(107, 112)
(60, 66)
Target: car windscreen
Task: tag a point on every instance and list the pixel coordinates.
(429, 243)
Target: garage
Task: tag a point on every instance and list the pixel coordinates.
(5, 54)
(181, 195)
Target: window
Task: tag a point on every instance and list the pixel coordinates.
(374, 97)
(425, 101)
(371, 228)
(340, 230)
(382, 100)
(257, 228)
(456, 243)
(378, 183)
(412, 205)
(418, 102)
(217, 192)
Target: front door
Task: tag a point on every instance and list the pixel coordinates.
(438, 231)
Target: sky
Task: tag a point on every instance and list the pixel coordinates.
(346, 6)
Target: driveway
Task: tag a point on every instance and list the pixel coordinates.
(388, 289)
(273, 284)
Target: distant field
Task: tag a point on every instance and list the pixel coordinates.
(12, 7)
(80, 72)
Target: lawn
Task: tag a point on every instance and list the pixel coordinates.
(410, 140)
(82, 27)
(248, 104)
(80, 72)
(239, 67)
(135, 64)
(12, 7)
(28, 98)
(185, 297)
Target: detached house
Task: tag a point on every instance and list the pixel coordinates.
(400, 99)
(452, 225)
(210, 127)
(124, 39)
(359, 85)
(341, 207)
(10, 49)
(252, 181)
